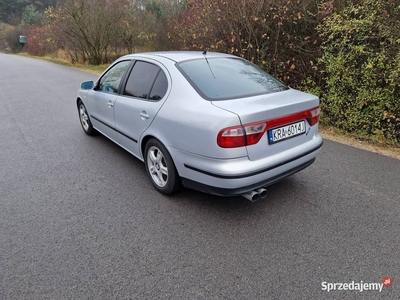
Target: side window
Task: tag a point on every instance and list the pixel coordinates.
(160, 87)
(146, 81)
(109, 83)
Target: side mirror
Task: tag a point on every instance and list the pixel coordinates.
(87, 85)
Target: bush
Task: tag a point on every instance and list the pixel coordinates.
(39, 41)
(3, 29)
(11, 39)
(361, 63)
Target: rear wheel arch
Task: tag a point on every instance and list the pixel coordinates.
(144, 142)
(172, 181)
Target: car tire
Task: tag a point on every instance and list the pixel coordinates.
(160, 168)
(84, 119)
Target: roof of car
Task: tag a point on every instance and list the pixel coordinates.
(179, 56)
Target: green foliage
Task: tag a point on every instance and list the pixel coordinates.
(31, 15)
(11, 11)
(155, 7)
(361, 63)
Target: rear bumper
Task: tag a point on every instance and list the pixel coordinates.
(231, 177)
(245, 189)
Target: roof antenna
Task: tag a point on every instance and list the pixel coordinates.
(204, 53)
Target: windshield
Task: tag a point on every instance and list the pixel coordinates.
(228, 78)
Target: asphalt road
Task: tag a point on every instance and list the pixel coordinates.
(80, 220)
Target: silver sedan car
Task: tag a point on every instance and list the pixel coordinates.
(211, 122)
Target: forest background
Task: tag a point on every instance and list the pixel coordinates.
(344, 51)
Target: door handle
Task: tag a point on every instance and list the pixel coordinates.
(144, 115)
(110, 104)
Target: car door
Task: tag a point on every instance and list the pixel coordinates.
(142, 96)
(102, 99)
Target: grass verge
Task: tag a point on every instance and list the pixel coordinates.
(340, 136)
(95, 69)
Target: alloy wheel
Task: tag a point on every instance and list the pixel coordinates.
(84, 117)
(157, 166)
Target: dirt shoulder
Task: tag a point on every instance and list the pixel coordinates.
(387, 150)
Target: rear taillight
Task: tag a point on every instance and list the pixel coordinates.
(314, 116)
(250, 134)
(231, 137)
(240, 136)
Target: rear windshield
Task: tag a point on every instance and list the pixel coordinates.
(228, 78)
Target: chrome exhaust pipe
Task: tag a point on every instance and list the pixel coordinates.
(263, 192)
(252, 196)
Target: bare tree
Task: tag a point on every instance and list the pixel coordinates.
(87, 28)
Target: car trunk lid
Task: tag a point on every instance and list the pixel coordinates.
(282, 113)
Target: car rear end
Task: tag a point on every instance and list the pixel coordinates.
(278, 143)
(273, 127)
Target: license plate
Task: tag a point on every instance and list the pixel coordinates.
(286, 132)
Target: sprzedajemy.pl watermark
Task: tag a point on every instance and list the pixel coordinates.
(356, 286)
